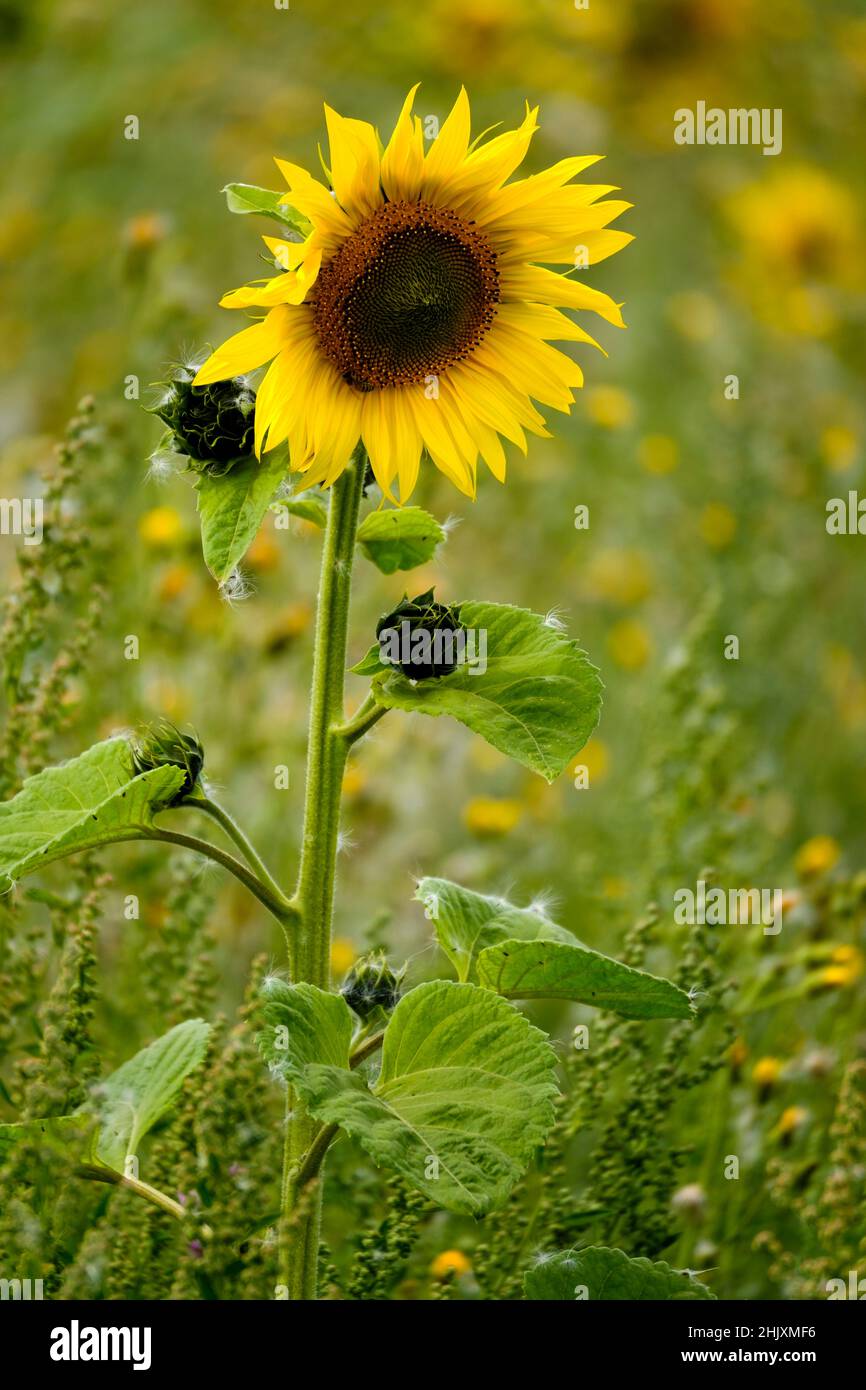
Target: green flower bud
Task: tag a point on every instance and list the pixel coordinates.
(371, 984)
(419, 631)
(162, 745)
(211, 425)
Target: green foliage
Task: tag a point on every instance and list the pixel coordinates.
(247, 198)
(463, 1099)
(123, 1108)
(399, 539)
(136, 1096)
(553, 970)
(597, 1273)
(467, 923)
(231, 509)
(89, 801)
(538, 700)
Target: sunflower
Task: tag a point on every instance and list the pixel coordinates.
(417, 315)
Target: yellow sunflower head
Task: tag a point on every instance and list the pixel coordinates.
(417, 314)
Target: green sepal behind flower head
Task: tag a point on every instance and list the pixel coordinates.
(423, 615)
(161, 744)
(372, 984)
(212, 426)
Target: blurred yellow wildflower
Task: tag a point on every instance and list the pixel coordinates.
(629, 644)
(490, 815)
(838, 448)
(658, 454)
(161, 526)
(595, 757)
(450, 1262)
(173, 582)
(817, 856)
(622, 576)
(264, 553)
(790, 1120)
(766, 1072)
(717, 525)
(343, 955)
(610, 407)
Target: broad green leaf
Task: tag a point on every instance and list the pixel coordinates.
(538, 701)
(130, 1101)
(463, 1099)
(554, 970)
(303, 1025)
(247, 198)
(89, 801)
(123, 1108)
(467, 922)
(400, 539)
(69, 1135)
(599, 1273)
(232, 507)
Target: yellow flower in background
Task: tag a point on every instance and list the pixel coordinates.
(766, 1072)
(817, 856)
(343, 955)
(595, 757)
(610, 407)
(161, 526)
(450, 1262)
(621, 576)
(790, 1120)
(417, 315)
(800, 223)
(658, 453)
(174, 582)
(717, 525)
(490, 815)
(846, 967)
(629, 644)
(838, 448)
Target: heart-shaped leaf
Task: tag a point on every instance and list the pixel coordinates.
(534, 694)
(463, 1099)
(92, 800)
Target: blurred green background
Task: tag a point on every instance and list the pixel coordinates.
(707, 514)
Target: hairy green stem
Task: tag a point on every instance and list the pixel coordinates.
(327, 749)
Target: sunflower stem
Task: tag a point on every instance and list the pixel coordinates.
(327, 750)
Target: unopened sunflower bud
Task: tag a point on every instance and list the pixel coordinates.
(212, 426)
(372, 984)
(424, 639)
(163, 745)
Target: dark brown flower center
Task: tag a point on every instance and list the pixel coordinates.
(408, 294)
